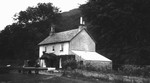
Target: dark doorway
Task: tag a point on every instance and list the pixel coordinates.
(51, 62)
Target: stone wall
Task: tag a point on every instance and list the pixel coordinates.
(99, 64)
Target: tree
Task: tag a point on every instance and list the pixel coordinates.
(42, 12)
(121, 28)
(20, 40)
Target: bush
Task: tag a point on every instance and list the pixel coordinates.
(135, 70)
(69, 64)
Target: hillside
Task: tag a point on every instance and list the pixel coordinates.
(69, 20)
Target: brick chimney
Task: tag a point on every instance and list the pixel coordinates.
(82, 24)
(52, 32)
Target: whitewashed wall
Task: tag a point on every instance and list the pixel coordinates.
(57, 47)
(82, 42)
(57, 50)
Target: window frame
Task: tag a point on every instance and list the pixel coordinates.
(61, 47)
(45, 48)
(53, 48)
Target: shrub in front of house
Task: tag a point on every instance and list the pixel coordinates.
(69, 64)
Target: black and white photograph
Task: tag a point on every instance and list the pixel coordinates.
(75, 41)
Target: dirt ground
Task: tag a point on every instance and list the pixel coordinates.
(37, 78)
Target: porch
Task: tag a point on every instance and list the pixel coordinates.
(54, 61)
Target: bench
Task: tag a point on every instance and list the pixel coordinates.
(30, 69)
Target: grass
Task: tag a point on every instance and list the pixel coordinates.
(81, 74)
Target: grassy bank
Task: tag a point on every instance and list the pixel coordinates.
(84, 74)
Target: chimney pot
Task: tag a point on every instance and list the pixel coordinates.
(82, 24)
(52, 30)
(81, 20)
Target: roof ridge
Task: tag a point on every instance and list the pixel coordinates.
(67, 30)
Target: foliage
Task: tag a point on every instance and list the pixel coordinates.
(69, 64)
(11, 62)
(43, 11)
(135, 70)
(70, 19)
(121, 29)
(20, 40)
(129, 70)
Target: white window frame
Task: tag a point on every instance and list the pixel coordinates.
(53, 48)
(45, 48)
(61, 47)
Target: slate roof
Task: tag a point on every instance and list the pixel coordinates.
(60, 37)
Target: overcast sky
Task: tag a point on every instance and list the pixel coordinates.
(10, 7)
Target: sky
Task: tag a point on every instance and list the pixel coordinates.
(9, 8)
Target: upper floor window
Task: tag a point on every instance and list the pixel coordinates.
(53, 48)
(45, 49)
(61, 47)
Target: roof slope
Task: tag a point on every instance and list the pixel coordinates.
(60, 37)
(91, 56)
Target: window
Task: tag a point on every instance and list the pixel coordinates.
(53, 48)
(45, 48)
(61, 47)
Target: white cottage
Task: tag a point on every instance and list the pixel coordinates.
(76, 42)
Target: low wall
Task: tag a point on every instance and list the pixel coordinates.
(99, 64)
